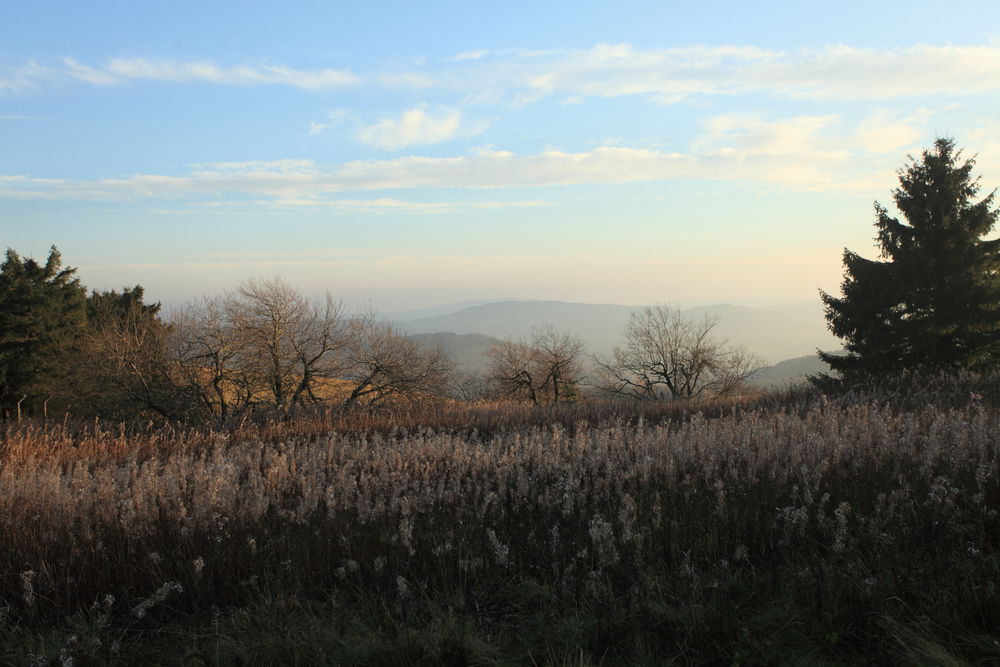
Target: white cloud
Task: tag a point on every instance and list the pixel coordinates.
(28, 78)
(380, 205)
(17, 186)
(34, 76)
(671, 75)
(310, 183)
(835, 72)
(805, 153)
(606, 70)
(284, 166)
(750, 135)
(470, 55)
(239, 75)
(334, 118)
(882, 131)
(88, 74)
(800, 152)
(413, 127)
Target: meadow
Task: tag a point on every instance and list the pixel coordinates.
(793, 527)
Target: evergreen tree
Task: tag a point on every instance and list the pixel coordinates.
(933, 300)
(42, 312)
(106, 306)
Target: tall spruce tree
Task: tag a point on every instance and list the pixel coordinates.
(933, 300)
(42, 312)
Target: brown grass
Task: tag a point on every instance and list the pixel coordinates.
(849, 506)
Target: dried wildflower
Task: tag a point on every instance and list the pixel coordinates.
(500, 550)
(161, 594)
(442, 549)
(406, 533)
(840, 533)
(470, 564)
(403, 587)
(199, 565)
(602, 534)
(27, 589)
(627, 517)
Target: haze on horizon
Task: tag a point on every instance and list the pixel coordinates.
(425, 155)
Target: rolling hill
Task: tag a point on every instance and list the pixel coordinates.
(775, 333)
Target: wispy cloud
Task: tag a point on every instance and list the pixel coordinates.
(605, 70)
(751, 135)
(334, 118)
(885, 131)
(416, 127)
(242, 265)
(806, 153)
(24, 187)
(34, 76)
(470, 55)
(238, 75)
(671, 75)
(382, 205)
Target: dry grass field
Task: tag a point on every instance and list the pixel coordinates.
(791, 528)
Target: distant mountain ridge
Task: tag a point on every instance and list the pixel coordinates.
(790, 371)
(467, 351)
(775, 333)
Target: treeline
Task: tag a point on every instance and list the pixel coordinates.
(265, 347)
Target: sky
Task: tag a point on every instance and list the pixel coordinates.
(418, 154)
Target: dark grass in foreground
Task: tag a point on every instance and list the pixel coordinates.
(790, 529)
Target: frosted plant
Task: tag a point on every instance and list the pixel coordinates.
(161, 594)
(627, 517)
(403, 587)
(602, 535)
(840, 533)
(27, 588)
(406, 533)
(500, 550)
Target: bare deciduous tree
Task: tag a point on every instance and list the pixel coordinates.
(546, 368)
(206, 350)
(666, 355)
(266, 339)
(121, 366)
(382, 363)
(471, 386)
(288, 340)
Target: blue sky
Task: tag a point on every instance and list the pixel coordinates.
(424, 153)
